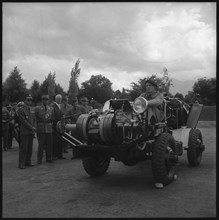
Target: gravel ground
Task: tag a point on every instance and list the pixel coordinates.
(63, 189)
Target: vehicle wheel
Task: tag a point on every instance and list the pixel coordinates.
(129, 163)
(194, 152)
(164, 159)
(96, 166)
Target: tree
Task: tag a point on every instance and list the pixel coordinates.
(190, 97)
(205, 90)
(73, 83)
(35, 91)
(14, 87)
(59, 89)
(97, 87)
(179, 95)
(51, 85)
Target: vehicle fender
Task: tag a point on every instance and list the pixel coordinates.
(182, 134)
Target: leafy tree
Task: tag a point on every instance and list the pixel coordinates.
(179, 95)
(190, 97)
(51, 85)
(35, 91)
(97, 87)
(59, 89)
(14, 87)
(205, 91)
(73, 83)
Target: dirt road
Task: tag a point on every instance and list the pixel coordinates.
(63, 189)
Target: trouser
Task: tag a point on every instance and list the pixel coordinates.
(44, 140)
(5, 139)
(25, 149)
(57, 144)
(10, 134)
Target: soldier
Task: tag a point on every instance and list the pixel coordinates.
(57, 139)
(75, 112)
(155, 102)
(27, 131)
(65, 109)
(17, 126)
(5, 127)
(84, 103)
(44, 118)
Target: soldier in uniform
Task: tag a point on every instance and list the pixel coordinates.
(65, 109)
(155, 102)
(27, 131)
(84, 103)
(44, 118)
(75, 112)
(17, 126)
(5, 127)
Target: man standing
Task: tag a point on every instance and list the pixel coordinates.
(75, 112)
(11, 126)
(155, 101)
(84, 103)
(27, 131)
(57, 139)
(44, 117)
(65, 109)
(5, 127)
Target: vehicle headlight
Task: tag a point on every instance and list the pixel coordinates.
(140, 105)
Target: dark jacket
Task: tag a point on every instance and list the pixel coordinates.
(26, 119)
(76, 111)
(44, 119)
(5, 119)
(57, 113)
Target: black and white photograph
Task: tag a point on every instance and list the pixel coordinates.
(109, 109)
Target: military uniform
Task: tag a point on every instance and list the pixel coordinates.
(27, 131)
(155, 105)
(5, 127)
(76, 111)
(44, 118)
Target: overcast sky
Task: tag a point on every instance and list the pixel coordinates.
(122, 41)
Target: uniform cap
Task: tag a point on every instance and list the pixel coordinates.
(152, 82)
(20, 104)
(45, 97)
(84, 99)
(29, 97)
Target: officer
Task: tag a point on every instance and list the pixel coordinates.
(155, 101)
(5, 127)
(44, 118)
(27, 131)
(84, 103)
(17, 126)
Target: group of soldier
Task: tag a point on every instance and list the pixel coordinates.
(40, 122)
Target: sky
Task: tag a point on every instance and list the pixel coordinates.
(123, 41)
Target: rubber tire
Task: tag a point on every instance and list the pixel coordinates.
(159, 169)
(193, 157)
(96, 166)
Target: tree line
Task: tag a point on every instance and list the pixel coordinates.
(99, 89)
